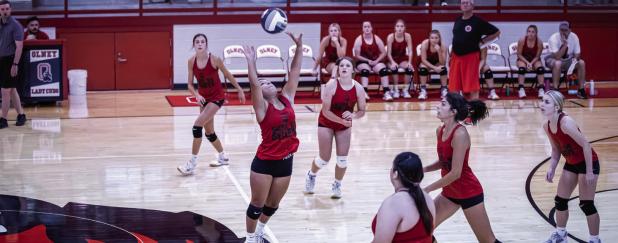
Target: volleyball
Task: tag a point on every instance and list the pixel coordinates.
(274, 20)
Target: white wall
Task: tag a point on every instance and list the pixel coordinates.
(221, 35)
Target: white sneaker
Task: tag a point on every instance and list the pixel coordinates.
(422, 95)
(443, 93)
(541, 93)
(557, 238)
(336, 190)
(395, 94)
(187, 168)
(387, 96)
(406, 94)
(492, 95)
(2, 229)
(222, 159)
(443, 4)
(309, 183)
(522, 93)
(427, 4)
(254, 239)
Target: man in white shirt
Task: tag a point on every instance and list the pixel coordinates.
(565, 52)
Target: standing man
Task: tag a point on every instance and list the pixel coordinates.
(468, 33)
(565, 52)
(11, 44)
(34, 31)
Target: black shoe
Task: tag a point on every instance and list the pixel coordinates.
(21, 120)
(3, 123)
(582, 94)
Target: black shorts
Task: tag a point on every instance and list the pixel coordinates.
(275, 168)
(219, 103)
(6, 81)
(581, 167)
(468, 202)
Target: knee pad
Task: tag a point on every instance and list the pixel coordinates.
(342, 161)
(254, 212)
(540, 71)
(488, 74)
(409, 71)
(443, 72)
(364, 73)
(211, 137)
(562, 204)
(588, 207)
(521, 71)
(319, 162)
(268, 211)
(423, 71)
(197, 132)
(383, 72)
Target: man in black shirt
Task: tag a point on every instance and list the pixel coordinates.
(468, 33)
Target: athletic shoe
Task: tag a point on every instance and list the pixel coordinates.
(406, 94)
(3, 123)
(222, 159)
(387, 96)
(443, 92)
(21, 120)
(443, 4)
(395, 94)
(187, 168)
(521, 93)
(422, 95)
(336, 190)
(493, 95)
(2, 229)
(427, 4)
(557, 238)
(254, 239)
(541, 93)
(309, 183)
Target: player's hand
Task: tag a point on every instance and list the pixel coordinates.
(549, 177)
(437, 47)
(529, 66)
(590, 177)
(334, 40)
(14, 71)
(200, 100)
(347, 115)
(241, 96)
(298, 40)
(249, 52)
(347, 123)
(372, 63)
(438, 69)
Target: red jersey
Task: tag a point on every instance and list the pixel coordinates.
(530, 53)
(398, 50)
(432, 57)
(278, 132)
(330, 53)
(208, 82)
(39, 35)
(343, 100)
(370, 51)
(572, 152)
(467, 185)
(416, 234)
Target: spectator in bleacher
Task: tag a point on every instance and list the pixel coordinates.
(433, 59)
(488, 75)
(33, 32)
(442, 3)
(399, 44)
(332, 47)
(565, 52)
(529, 49)
(468, 32)
(369, 52)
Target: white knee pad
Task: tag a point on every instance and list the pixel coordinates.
(342, 161)
(319, 162)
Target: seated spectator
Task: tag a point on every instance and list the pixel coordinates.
(529, 49)
(488, 75)
(433, 60)
(565, 51)
(33, 32)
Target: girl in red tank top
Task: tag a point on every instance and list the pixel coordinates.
(529, 51)
(369, 53)
(340, 96)
(433, 61)
(398, 44)
(272, 165)
(407, 216)
(582, 166)
(332, 47)
(460, 187)
(205, 67)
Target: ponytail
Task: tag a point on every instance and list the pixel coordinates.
(475, 109)
(410, 169)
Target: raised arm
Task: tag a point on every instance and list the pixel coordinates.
(259, 104)
(289, 89)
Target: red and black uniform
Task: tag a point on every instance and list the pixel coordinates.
(208, 83)
(416, 234)
(39, 35)
(572, 152)
(432, 57)
(275, 153)
(399, 50)
(530, 53)
(464, 64)
(467, 190)
(342, 101)
(330, 53)
(369, 51)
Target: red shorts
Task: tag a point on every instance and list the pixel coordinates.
(400, 59)
(464, 73)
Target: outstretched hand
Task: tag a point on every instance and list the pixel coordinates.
(249, 52)
(298, 40)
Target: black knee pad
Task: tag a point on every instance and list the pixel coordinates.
(562, 204)
(364, 73)
(383, 72)
(211, 137)
(197, 132)
(540, 71)
(254, 212)
(423, 71)
(268, 211)
(409, 71)
(521, 71)
(488, 74)
(443, 72)
(588, 207)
